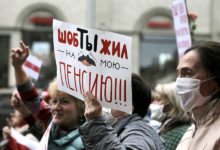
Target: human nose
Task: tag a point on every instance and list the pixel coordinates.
(154, 102)
(57, 106)
(12, 114)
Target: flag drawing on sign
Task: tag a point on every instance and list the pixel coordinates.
(181, 24)
(32, 66)
(20, 142)
(44, 140)
(87, 60)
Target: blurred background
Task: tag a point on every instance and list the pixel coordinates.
(148, 22)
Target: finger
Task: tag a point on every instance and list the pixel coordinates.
(27, 51)
(86, 98)
(12, 50)
(20, 54)
(13, 53)
(9, 122)
(13, 98)
(90, 96)
(17, 96)
(84, 95)
(23, 46)
(17, 55)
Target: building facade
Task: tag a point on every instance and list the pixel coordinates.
(148, 22)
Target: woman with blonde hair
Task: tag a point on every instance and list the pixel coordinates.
(67, 109)
(175, 120)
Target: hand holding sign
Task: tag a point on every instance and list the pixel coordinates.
(93, 107)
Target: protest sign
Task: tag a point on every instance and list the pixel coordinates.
(95, 61)
(181, 24)
(32, 66)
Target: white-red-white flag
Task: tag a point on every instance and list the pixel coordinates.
(18, 141)
(44, 140)
(32, 66)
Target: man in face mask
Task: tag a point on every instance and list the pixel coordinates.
(197, 87)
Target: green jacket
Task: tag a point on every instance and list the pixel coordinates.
(173, 137)
(71, 141)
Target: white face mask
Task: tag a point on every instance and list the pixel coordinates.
(188, 92)
(157, 112)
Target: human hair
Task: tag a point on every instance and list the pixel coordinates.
(53, 90)
(169, 91)
(209, 54)
(141, 95)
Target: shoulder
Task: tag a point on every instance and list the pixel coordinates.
(139, 124)
(177, 131)
(143, 133)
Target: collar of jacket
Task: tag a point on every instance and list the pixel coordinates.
(119, 127)
(206, 112)
(68, 138)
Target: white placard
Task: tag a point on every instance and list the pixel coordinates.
(181, 24)
(95, 61)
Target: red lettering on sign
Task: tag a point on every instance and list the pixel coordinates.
(116, 49)
(182, 32)
(175, 10)
(79, 76)
(106, 81)
(62, 36)
(98, 84)
(120, 90)
(181, 8)
(62, 63)
(183, 19)
(105, 44)
(82, 80)
(68, 72)
(95, 84)
(124, 52)
(183, 44)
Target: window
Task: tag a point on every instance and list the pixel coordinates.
(4, 59)
(41, 45)
(158, 59)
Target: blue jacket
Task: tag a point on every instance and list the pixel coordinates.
(71, 141)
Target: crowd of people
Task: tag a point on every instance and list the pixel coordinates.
(185, 114)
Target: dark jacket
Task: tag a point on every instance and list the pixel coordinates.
(132, 132)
